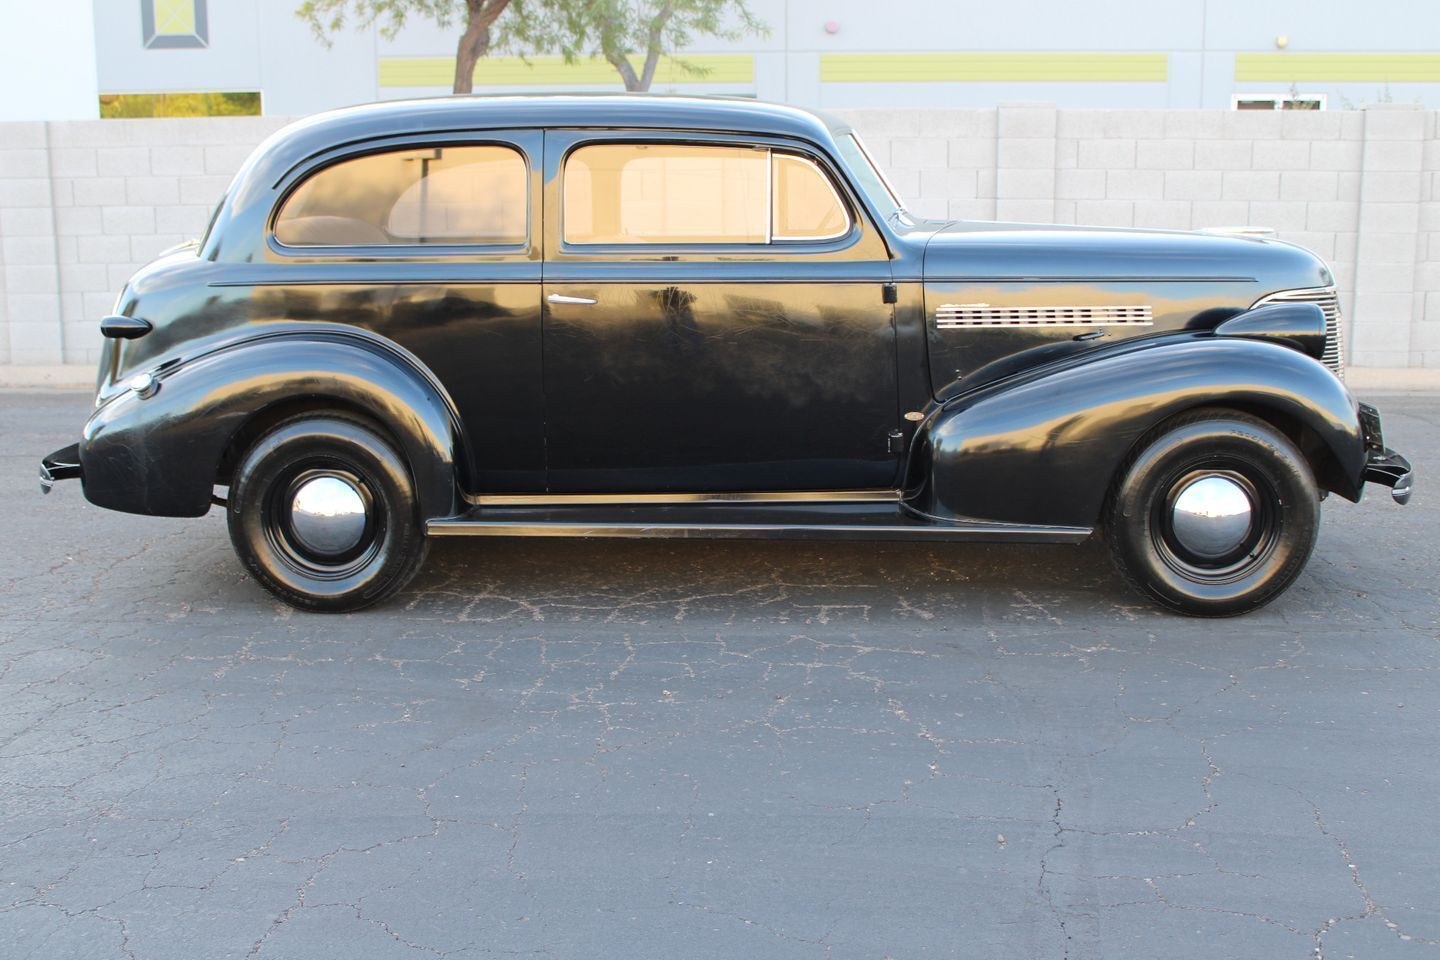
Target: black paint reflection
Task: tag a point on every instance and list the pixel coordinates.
(720, 387)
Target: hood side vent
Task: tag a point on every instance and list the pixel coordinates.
(953, 315)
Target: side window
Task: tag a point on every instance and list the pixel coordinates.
(671, 193)
(805, 205)
(665, 193)
(446, 195)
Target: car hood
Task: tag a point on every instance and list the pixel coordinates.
(970, 250)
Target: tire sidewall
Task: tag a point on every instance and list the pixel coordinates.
(353, 447)
(1218, 442)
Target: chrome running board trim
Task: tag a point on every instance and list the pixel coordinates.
(765, 521)
(643, 499)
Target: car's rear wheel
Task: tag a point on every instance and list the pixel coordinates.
(322, 512)
(1215, 514)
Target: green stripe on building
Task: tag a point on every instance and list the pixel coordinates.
(996, 67)
(554, 71)
(1338, 67)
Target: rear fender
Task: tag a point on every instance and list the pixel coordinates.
(159, 454)
(1044, 446)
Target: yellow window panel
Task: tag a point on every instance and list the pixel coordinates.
(174, 17)
(993, 67)
(554, 71)
(1337, 67)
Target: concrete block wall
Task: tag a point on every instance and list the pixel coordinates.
(1361, 188)
(84, 203)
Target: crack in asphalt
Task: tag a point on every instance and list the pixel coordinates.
(576, 750)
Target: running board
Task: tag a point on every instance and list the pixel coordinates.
(778, 521)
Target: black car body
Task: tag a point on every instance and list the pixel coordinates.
(842, 369)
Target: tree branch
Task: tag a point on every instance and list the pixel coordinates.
(622, 64)
(475, 41)
(656, 45)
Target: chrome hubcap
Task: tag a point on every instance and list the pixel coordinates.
(327, 515)
(1212, 516)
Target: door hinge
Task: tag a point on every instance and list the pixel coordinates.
(889, 293)
(895, 443)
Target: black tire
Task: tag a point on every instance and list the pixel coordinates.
(1146, 523)
(267, 526)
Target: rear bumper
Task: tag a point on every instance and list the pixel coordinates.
(63, 464)
(1383, 465)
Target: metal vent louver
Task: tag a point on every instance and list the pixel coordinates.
(950, 315)
(1329, 303)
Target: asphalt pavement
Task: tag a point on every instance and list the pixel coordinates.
(700, 750)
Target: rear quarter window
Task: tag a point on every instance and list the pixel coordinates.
(435, 195)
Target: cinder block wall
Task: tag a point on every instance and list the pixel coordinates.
(1361, 188)
(82, 204)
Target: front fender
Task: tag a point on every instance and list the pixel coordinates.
(1044, 446)
(160, 454)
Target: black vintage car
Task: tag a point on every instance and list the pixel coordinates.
(625, 316)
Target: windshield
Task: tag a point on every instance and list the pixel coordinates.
(871, 180)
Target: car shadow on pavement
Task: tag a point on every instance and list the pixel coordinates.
(623, 581)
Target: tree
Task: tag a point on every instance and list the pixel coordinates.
(618, 29)
(329, 16)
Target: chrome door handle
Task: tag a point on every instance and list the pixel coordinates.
(561, 298)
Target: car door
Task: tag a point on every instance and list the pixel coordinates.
(714, 319)
(433, 242)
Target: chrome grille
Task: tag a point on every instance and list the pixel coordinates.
(949, 315)
(1329, 303)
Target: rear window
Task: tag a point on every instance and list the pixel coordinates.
(436, 195)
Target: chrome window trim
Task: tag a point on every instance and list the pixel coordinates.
(769, 196)
(879, 171)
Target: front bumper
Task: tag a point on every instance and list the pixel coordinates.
(1383, 465)
(63, 464)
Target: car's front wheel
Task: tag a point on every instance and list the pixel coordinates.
(322, 512)
(1215, 515)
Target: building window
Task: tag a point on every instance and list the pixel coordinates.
(117, 106)
(1278, 101)
(174, 24)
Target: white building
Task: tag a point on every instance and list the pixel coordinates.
(48, 61)
(819, 53)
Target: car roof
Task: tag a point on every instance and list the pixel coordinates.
(657, 111)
